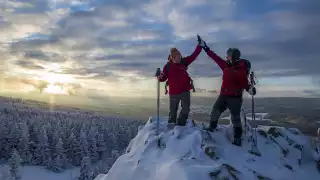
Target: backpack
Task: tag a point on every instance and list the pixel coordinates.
(237, 66)
(167, 67)
(251, 74)
(246, 63)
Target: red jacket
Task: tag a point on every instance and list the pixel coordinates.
(178, 78)
(234, 78)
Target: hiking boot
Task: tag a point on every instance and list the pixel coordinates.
(237, 131)
(179, 123)
(237, 141)
(171, 125)
(209, 129)
(213, 125)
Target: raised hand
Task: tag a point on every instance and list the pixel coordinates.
(203, 44)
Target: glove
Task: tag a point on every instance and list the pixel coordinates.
(252, 90)
(203, 44)
(160, 76)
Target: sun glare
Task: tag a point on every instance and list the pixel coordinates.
(57, 83)
(57, 78)
(53, 89)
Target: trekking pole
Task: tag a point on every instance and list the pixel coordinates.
(158, 97)
(253, 114)
(245, 121)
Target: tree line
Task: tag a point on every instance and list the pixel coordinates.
(62, 140)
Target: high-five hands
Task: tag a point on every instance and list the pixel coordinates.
(203, 44)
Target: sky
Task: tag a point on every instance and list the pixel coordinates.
(104, 48)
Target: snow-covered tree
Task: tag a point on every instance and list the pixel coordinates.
(43, 155)
(101, 144)
(14, 163)
(85, 169)
(35, 133)
(15, 135)
(95, 172)
(115, 154)
(73, 150)
(59, 161)
(23, 146)
(5, 147)
(84, 146)
(55, 135)
(93, 150)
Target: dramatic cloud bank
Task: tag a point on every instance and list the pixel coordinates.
(85, 47)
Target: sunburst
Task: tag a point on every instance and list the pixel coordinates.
(57, 83)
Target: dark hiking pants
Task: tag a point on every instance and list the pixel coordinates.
(233, 103)
(185, 108)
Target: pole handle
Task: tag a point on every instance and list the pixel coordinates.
(158, 72)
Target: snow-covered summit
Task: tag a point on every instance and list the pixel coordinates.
(189, 153)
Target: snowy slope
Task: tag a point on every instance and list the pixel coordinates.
(40, 173)
(258, 117)
(189, 153)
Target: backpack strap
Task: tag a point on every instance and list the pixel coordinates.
(167, 84)
(247, 63)
(183, 61)
(167, 68)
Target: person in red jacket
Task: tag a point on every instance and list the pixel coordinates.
(234, 81)
(179, 82)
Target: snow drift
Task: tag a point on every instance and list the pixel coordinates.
(189, 153)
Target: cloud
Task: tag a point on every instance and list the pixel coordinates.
(312, 93)
(44, 56)
(28, 65)
(125, 41)
(98, 73)
(17, 82)
(189, 17)
(39, 85)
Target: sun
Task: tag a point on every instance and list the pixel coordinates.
(54, 89)
(57, 83)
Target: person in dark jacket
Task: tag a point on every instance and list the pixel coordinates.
(179, 82)
(234, 81)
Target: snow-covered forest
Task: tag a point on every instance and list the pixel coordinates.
(61, 140)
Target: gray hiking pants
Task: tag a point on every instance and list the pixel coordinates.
(233, 103)
(185, 108)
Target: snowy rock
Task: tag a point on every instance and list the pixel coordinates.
(316, 156)
(188, 153)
